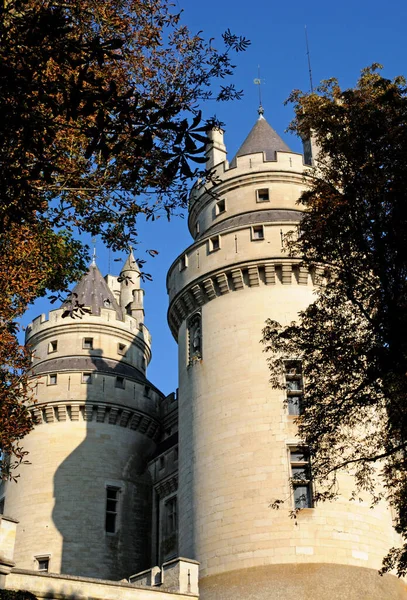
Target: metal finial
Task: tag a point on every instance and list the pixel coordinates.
(94, 252)
(258, 81)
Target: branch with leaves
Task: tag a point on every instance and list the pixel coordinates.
(352, 340)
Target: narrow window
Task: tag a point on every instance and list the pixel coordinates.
(214, 243)
(121, 349)
(175, 453)
(52, 379)
(183, 263)
(86, 377)
(301, 477)
(112, 505)
(294, 385)
(220, 207)
(52, 346)
(88, 343)
(147, 390)
(161, 463)
(120, 383)
(171, 520)
(197, 228)
(258, 232)
(42, 563)
(2, 501)
(194, 338)
(262, 195)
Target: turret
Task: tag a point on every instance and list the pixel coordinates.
(215, 149)
(84, 500)
(239, 448)
(131, 296)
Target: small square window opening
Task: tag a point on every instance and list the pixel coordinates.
(120, 383)
(220, 207)
(43, 563)
(52, 379)
(52, 346)
(183, 263)
(121, 349)
(262, 195)
(258, 232)
(88, 343)
(86, 377)
(214, 243)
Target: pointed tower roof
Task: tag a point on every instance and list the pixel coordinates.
(93, 291)
(131, 263)
(262, 138)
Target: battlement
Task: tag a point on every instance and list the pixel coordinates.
(257, 163)
(108, 317)
(255, 184)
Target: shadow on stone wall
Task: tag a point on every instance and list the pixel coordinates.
(118, 442)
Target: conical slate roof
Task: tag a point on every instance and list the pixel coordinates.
(131, 264)
(93, 291)
(262, 138)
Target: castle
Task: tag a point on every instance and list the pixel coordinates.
(122, 478)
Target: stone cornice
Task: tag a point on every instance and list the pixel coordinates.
(100, 412)
(248, 274)
(167, 486)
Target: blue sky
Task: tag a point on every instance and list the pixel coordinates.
(343, 37)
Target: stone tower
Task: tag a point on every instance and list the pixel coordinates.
(238, 445)
(84, 502)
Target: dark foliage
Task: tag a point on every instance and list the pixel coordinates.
(352, 339)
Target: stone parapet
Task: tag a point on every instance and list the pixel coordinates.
(61, 587)
(285, 178)
(179, 575)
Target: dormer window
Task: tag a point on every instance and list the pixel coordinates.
(262, 195)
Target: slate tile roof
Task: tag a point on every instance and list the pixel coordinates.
(262, 138)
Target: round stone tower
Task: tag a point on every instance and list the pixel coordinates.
(239, 450)
(84, 501)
